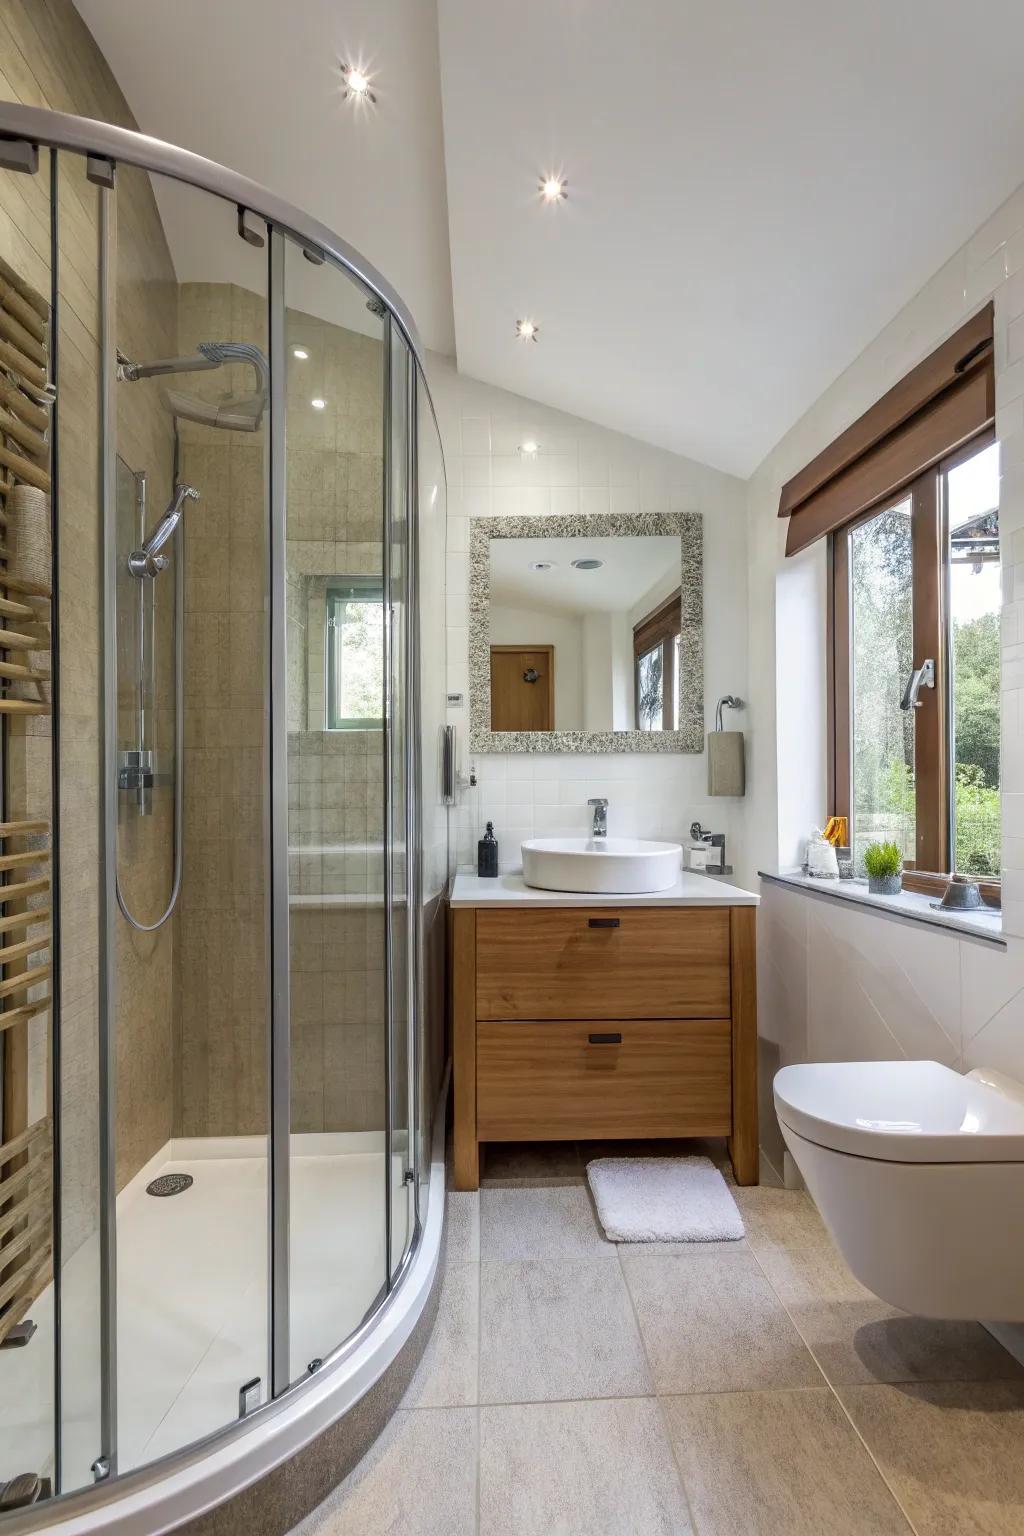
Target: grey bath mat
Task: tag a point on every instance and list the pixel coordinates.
(663, 1200)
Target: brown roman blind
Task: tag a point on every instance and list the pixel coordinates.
(937, 406)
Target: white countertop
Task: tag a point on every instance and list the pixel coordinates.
(509, 889)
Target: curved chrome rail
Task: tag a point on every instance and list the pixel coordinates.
(60, 130)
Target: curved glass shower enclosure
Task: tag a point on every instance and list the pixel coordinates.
(224, 839)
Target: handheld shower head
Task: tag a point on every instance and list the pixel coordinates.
(148, 561)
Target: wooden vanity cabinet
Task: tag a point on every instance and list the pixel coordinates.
(586, 1023)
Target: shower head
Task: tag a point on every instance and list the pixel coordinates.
(148, 561)
(244, 413)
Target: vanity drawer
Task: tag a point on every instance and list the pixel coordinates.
(603, 963)
(566, 1079)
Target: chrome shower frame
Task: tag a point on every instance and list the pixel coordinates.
(225, 1461)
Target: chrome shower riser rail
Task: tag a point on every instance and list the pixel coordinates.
(179, 750)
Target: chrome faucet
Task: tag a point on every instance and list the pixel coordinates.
(600, 827)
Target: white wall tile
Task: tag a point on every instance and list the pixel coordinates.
(476, 435)
(573, 472)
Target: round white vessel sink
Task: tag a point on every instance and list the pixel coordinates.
(603, 866)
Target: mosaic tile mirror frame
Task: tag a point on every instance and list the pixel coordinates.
(688, 735)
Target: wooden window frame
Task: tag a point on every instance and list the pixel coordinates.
(934, 853)
(662, 625)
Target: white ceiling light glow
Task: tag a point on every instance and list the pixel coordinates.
(526, 330)
(300, 353)
(554, 189)
(357, 82)
(529, 448)
(318, 403)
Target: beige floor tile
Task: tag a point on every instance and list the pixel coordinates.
(418, 1479)
(548, 1223)
(447, 1375)
(856, 1338)
(530, 1162)
(952, 1452)
(778, 1464)
(579, 1469)
(558, 1329)
(779, 1218)
(462, 1214)
(715, 1325)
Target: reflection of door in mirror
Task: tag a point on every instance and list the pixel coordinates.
(656, 641)
(522, 688)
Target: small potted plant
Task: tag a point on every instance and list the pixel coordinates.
(884, 865)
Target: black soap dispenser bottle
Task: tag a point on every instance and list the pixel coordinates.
(487, 854)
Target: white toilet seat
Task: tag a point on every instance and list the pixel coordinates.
(901, 1112)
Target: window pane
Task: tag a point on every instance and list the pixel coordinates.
(881, 618)
(649, 672)
(975, 599)
(355, 640)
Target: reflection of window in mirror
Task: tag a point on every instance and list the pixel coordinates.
(355, 654)
(656, 658)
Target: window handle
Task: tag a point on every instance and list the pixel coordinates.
(921, 677)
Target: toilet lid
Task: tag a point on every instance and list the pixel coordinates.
(900, 1111)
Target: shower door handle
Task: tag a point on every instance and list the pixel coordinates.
(448, 764)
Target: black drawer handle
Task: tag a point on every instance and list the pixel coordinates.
(602, 922)
(612, 1038)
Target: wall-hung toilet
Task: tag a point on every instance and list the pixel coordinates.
(918, 1172)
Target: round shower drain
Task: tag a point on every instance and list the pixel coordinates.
(169, 1184)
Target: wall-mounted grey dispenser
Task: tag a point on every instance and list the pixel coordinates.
(726, 768)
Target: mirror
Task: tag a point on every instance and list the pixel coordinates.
(586, 634)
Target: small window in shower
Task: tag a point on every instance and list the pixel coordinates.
(355, 655)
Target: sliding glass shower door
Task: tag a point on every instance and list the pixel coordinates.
(346, 453)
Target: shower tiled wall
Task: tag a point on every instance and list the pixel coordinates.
(335, 784)
(335, 779)
(49, 59)
(222, 1013)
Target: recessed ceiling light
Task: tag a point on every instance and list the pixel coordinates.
(318, 403)
(542, 565)
(358, 82)
(526, 330)
(553, 189)
(587, 564)
(529, 448)
(300, 353)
